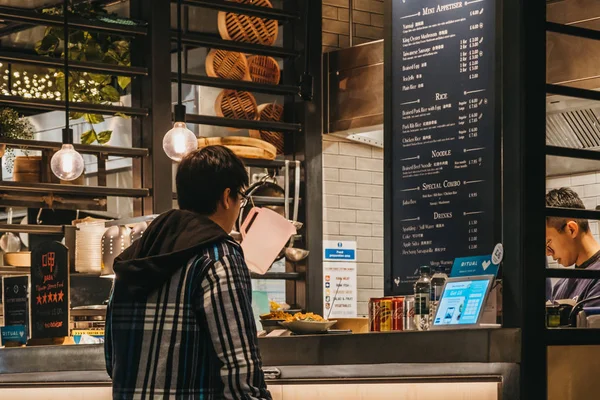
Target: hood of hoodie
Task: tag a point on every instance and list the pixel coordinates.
(168, 244)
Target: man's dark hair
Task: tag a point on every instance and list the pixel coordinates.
(204, 174)
(565, 198)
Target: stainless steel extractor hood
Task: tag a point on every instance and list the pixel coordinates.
(353, 89)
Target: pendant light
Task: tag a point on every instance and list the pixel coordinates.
(179, 141)
(67, 163)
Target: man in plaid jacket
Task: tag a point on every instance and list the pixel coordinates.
(179, 322)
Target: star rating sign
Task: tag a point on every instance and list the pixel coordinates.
(44, 298)
(55, 297)
(39, 299)
(61, 295)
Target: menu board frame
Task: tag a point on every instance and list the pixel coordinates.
(394, 262)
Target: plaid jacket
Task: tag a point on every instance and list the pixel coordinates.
(192, 338)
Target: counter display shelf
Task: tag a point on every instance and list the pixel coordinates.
(473, 364)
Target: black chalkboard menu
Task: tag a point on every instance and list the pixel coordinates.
(49, 298)
(15, 300)
(442, 134)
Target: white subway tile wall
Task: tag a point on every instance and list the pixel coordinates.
(353, 208)
(587, 186)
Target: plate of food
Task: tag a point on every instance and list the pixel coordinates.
(270, 321)
(308, 323)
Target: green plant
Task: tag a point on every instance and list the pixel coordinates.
(91, 47)
(13, 126)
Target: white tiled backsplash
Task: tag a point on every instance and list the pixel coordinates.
(353, 208)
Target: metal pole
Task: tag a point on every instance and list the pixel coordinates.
(154, 92)
(351, 21)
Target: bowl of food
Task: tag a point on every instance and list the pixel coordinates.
(303, 324)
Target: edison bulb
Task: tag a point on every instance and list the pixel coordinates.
(67, 164)
(179, 141)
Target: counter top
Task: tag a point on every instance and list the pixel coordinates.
(437, 347)
(450, 346)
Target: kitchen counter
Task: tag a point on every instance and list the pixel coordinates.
(482, 355)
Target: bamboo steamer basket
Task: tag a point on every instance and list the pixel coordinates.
(237, 105)
(243, 147)
(27, 169)
(227, 65)
(247, 28)
(264, 69)
(20, 259)
(272, 112)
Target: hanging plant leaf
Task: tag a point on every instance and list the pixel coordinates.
(94, 118)
(104, 137)
(124, 81)
(76, 55)
(98, 78)
(93, 51)
(88, 137)
(58, 32)
(75, 115)
(109, 93)
(112, 57)
(47, 45)
(120, 114)
(120, 47)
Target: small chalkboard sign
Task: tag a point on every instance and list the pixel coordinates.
(15, 290)
(49, 291)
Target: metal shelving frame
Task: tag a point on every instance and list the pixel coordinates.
(525, 151)
(237, 85)
(31, 17)
(570, 337)
(71, 196)
(302, 126)
(300, 22)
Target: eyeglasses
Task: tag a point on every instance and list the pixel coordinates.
(245, 199)
(549, 248)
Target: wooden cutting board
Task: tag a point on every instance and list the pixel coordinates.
(244, 147)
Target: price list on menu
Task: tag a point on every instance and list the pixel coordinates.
(445, 170)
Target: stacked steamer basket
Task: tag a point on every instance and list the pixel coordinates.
(227, 65)
(237, 66)
(236, 104)
(247, 28)
(270, 112)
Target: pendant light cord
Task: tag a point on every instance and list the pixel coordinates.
(69, 138)
(179, 51)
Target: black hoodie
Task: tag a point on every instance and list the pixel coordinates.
(179, 322)
(170, 241)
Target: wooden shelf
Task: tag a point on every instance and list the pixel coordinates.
(74, 190)
(33, 229)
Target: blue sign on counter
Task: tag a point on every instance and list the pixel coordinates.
(14, 333)
(474, 266)
(339, 251)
